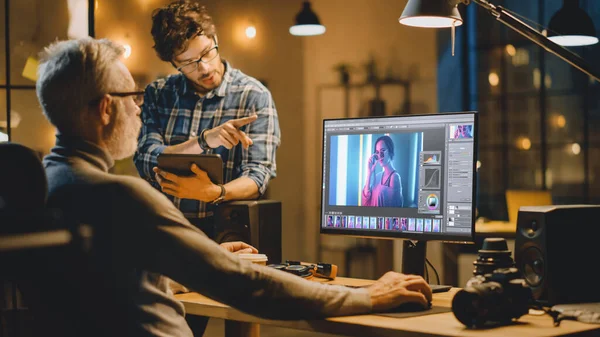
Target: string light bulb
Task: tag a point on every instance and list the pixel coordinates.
(251, 32)
(127, 52)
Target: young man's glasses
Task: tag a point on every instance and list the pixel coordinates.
(138, 97)
(208, 56)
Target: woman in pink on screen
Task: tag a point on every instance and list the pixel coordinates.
(382, 189)
(463, 131)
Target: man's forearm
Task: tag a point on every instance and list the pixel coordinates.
(190, 146)
(242, 188)
(260, 290)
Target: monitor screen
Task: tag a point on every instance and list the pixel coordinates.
(410, 176)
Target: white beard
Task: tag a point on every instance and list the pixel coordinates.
(122, 134)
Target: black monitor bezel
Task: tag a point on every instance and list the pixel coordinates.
(397, 234)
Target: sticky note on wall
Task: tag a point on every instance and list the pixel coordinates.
(30, 70)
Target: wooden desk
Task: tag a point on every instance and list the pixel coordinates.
(444, 324)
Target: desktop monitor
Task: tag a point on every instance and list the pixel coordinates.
(409, 177)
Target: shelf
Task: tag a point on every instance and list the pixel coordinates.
(364, 85)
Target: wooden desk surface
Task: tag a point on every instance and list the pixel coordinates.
(444, 324)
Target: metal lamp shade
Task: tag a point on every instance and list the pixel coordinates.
(431, 14)
(307, 23)
(572, 26)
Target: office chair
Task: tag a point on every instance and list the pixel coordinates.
(517, 198)
(23, 185)
(30, 234)
(27, 226)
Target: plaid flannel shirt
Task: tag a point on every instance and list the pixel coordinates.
(173, 113)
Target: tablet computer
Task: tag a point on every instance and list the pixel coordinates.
(180, 164)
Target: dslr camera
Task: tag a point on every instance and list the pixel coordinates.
(495, 298)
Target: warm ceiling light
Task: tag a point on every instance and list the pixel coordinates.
(430, 14)
(251, 32)
(571, 26)
(307, 22)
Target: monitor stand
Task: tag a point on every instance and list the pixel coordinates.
(413, 262)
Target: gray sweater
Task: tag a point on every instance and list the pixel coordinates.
(139, 236)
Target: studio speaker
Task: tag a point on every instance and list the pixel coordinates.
(257, 223)
(556, 250)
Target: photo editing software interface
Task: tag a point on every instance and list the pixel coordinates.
(403, 176)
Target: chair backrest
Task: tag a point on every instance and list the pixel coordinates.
(23, 183)
(39, 249)
(23, 193)
(517, 198)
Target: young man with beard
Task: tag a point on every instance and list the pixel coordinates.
(139, 237)
(208, 107)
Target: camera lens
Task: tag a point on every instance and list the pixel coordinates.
(493, 254)
(499, 297)
(465, 306)
(474, 306)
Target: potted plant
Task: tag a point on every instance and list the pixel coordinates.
(343, 70)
